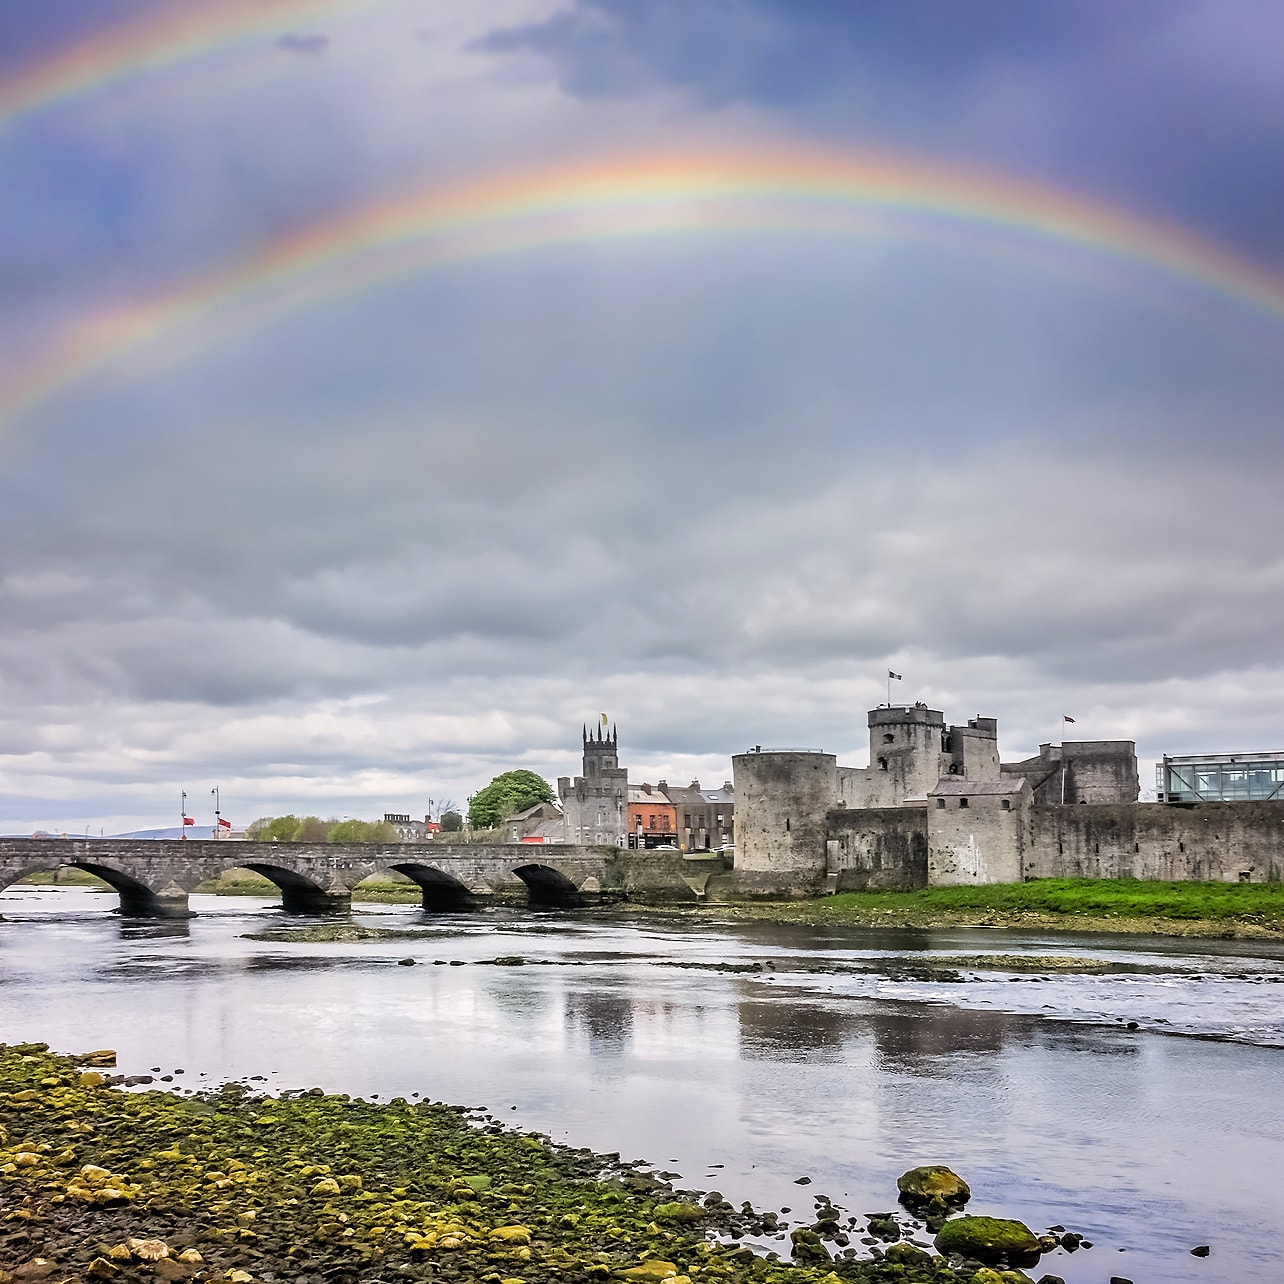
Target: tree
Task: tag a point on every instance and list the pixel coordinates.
(362, 831)
(273, 829)
(311, 829)
(451, 822)
(506, 795)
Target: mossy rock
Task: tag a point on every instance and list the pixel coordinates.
(907, 1254)
(989, 1239)
(933, 1184)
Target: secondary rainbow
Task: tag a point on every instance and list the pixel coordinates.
(156, 43)
(806, 192)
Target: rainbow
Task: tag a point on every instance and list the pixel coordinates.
(798, 191)
(153, 44)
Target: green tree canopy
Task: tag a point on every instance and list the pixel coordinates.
(362, 831)
(289, 829)
(506, 795)
(451, 822)
(273, 829)
(311, 829)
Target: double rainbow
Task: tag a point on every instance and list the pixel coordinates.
(804, 193)
(156, 43)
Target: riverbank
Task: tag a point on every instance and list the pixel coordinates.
(1225, 911)
(326, 1189)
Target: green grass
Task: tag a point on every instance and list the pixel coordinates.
(1090, 897)
(65, 877)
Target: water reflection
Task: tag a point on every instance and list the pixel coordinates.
(790, 1028)
(928, 1040)
(603, 1019)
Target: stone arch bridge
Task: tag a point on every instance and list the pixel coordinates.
(154, 878)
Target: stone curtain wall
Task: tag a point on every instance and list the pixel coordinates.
(884, 847)
(1214, 842)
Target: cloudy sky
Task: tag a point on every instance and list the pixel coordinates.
(365, 532)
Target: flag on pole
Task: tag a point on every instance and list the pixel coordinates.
(605, 720)
(224, 824)
(1065, 717)
(189, 820)
(897, 676)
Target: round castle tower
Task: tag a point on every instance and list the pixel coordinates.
(781, 800)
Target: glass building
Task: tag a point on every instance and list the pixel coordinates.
(1220, 777)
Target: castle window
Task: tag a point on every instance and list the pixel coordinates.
(1005, 805)
(940, 803)
(786, 824)
(882, 764)
(888, 738)
(962, 802)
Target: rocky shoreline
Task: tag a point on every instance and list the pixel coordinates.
(819, 913)
(315, 1188)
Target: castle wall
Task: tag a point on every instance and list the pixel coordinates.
(977, 839)
(1095, 771)
(1215, 842)
(781, 802)
(883, 847)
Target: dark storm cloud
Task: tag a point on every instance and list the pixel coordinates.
(1170, 105)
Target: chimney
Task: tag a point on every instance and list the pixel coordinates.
(726, 784)
(695, 784)
(646, 788)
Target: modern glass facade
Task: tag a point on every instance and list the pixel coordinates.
(1221, 777)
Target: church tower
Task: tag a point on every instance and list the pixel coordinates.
(600, 753)
(596, 804)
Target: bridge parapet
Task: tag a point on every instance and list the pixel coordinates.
(154, 878)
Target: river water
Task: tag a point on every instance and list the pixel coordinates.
(632, 1035)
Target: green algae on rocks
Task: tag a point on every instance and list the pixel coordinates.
(338, 934)
(989, 1239)
(310, 1187)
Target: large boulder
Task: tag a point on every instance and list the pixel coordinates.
(989, 1240)
(933, 1186)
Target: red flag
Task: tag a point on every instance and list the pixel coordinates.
(224, 824)
(189, 820)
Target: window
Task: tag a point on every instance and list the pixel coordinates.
(888, 738)
(1005, 805)
(962, 802)
(940, 803)
(882, 764)
(786, 824)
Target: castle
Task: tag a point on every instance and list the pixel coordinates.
(936, 807)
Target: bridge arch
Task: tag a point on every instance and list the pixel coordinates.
(442, 893)
(299, 894)
(548, 888)
(136, 899)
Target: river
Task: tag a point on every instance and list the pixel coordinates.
(622, 1034)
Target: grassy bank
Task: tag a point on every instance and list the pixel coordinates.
(243, 882)
(1059, 904)
(324, 1189)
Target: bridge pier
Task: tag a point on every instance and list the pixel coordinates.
(315, 900)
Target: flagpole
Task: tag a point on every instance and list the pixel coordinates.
(214, 791)
(182, 812)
